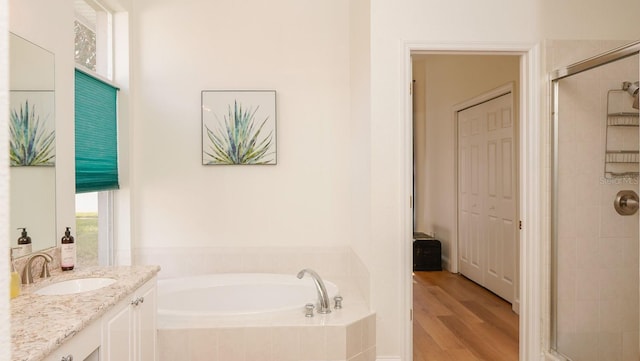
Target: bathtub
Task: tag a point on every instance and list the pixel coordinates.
(259, 316)
(234, 294)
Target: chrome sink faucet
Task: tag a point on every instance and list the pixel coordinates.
(323, 296)
(27, 277)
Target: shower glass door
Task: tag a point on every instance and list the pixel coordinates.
(594, 306)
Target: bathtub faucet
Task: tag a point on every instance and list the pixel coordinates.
(323, 296)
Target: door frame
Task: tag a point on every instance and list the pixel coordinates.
(454, 257)
(533, 275)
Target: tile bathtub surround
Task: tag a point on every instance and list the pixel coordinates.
(348, 342)
(349, 335)
(40, 324)
(327, 261)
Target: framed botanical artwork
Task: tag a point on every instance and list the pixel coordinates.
(238, 127)
(32, 135)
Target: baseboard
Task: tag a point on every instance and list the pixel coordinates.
(515, 306)
(388, 358)
(445, 264)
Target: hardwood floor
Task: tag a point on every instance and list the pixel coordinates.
(454, 319)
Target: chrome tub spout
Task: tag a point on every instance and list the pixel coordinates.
(323, 296)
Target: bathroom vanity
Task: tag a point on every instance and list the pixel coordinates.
(116, 322)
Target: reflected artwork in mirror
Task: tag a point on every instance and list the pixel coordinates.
(32, 143)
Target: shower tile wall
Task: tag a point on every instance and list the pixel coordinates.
(597, 274)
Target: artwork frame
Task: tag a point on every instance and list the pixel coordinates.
(239, 127)
(32, 129)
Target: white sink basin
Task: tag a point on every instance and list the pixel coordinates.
(77, 285)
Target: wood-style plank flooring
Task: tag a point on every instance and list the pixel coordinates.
(455, 319)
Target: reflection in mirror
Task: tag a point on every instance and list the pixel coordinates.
(32, 144)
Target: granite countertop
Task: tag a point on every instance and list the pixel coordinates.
(40, 324)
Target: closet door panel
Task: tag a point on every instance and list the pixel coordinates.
(486, 195)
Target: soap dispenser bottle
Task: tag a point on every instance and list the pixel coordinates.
(24, 243)
(67, 251)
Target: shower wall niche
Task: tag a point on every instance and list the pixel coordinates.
(595, 250)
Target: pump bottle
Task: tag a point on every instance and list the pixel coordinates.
(24, 243)
(67, 251)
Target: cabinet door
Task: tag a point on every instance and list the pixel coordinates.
(129, 330)
(118, 336)
(145, 321)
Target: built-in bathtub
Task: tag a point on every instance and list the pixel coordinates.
(236, 294)
(259, 316)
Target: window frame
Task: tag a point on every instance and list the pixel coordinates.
(104, 31)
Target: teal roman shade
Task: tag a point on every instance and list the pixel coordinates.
(96, 134)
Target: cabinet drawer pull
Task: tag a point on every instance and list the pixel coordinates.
(67, 358)
(137, 301)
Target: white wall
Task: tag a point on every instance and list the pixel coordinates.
(594, 20)
(449, 80)
(360, 168)
(298, 48)
(5, 345)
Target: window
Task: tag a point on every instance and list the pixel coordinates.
(85, 53)
(87, 229)
(93, 28)
(94, 202)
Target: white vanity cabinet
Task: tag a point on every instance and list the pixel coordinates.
(84, 346)
(116, 322)
(129, 328)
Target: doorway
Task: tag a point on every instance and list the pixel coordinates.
(440, 82)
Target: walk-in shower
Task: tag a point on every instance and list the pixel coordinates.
(595, 271)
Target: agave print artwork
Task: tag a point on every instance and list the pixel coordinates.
(238, 127)
(31, 129)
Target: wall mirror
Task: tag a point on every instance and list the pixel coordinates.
(32, 143)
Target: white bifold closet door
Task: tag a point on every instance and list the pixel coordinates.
(487, 195)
